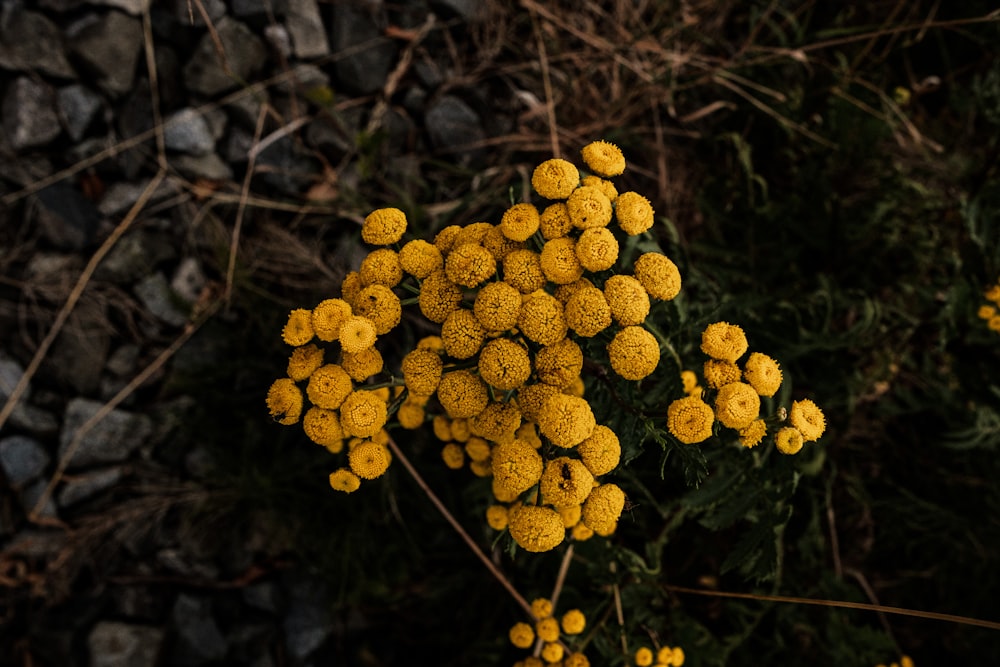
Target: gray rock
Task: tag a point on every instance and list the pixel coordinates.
(114, 644)
(286, 167)
(36, 543)
(244, 8)
(34, 420)
(11, 373)
(187, 132)
(307, 622)
(210, 167)
(77, 357)
(246, 110)
(120, 196)
(133, 7)
(31, 496)
(78, 105)
(363, 72)
(135, 254)
(277, 36)
(25, 170)
(245, 54)
(217, 121)
(23, 459)
(29, 114)
(188, 280)
(109, 47)
(454, 127)
(199, 462)
(305, 25)
(265, 596)
(67, 219)
(199, 640)
(236, 148)
(160, 300)
(110, 440)
(466, 9)
(189, 14)
(31, 42)
(81, 487)
(44, 265)
(124, 361)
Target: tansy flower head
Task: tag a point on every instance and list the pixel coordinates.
(559, 364)
(528, 433)
(441, 426)
(522, 635)
(589, 207)
(357, 333)
(554, 221)
(604, 185)
(304, 361)
(444, 241)
(689, 381)
(565, 482)
(986, 311)
(496, 517)
(453, 456)
(328, 317)
(576, 660)
(422, 371)
(381, 267)
(788, 440)
(322, 426)
(573, 622)
(808, 419)
(522, 269)
(588, 312)
(603, 158)
(350, 286)
(643, 657)
(362, 365)
(602, 509)
(565, 292)
(541, 608)
(670, 657)
(411, 414)
(559, 261)
(497, 420)
(298, 330)
(462, 394)
(473, 233)
(532, 398)
(993, 324)
(627, 298)
(597, 249)
(503, 494)
(362, 414)
(284, 401)
(736, 405)
(719, 373)
(477, 449)
(439, 296)
(499, 245)
(633, 353)
(753, 433)
(552, 652)
(432, 343)
(519, 222)
(634, 213)
(384, 226)
(581, 532)
(547, 629)
(460, 430)
(344, 480)
(725, 341)
(380, 305)
(497, 306)
(659, 275)
(516, 466)
(536, 529)
(419, 258)
(504, 364)
(469, 265)
(369, 460)
(462, 334)
(555, 178)
(690, 419)
(601, 451)
(328, 386)
(542, 320)
(570, 514)
(566, 420)
(762, 373)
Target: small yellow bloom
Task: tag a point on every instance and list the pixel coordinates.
(689, 380)
(993, 294)
(542, 319)
(601, 451)
(573, 622)
(523, 270)
(504, 364)
(357, 333)
(576, 660)
(444, 241)
(536, 529)
(345, 480)
(690, 419)
(363, 414)
(753, 433)
(589, 207)
(284, 401)
(634, 353)
(328, 386)
(565, 482)
(644, 657)
(460, 429)
(322, 426)
(384, 226)
(473, 233)
(906, 661)
(555, 221)
(381, 267)
(547, 629)
(559, 364)
(552, 652)
(788, 440)
(736, 405)
(369, 460)
(762, 373)
(350, 286)
(994, 323)
(362, 365)
(422, 371)
(380, 305)
(432, 343)
(519, 222)
(808, 419)
(603, 507)
(627, 298)
(497, 306)
(570, 515)
(634, 213)
(442, 428)
(531, 399)
(497, 421)
(453, 456)
(439, 296)
(462, 334)
(566, 420)
(516, 466)
(469, 265)
(496, 517)
(671, 657)
(477, 449)
(522, 635)
(659, 275)
(304, 361)
(462, 394)
(502, 493)
(725, 341)
(555, 178)
(603, 158)
(597, 249)
(605, 186)
(499, 245)
(328, 317)
(541, 608)
(420, 258)
(581, 532)
(588, 312)
(719, 373)
(298, 330)
(411, 415)
(986, 311)
(481, 468)
(565, 292)
(559, 261)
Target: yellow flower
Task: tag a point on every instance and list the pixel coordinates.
(344, 480)
(419, 258)
(576, 660)
(554, 221)
(411, 415)
(589, 207)
(993, 294)
(442, 428)
(671, 657)
(588, 312)
(284, 401)
(633, 353)
(432, 343)
(381, 306)
(541, 608)
(322, 426)
(644, 657)
(762, 373)
(499, 245)
(453, 456)
(362, 365)
(559, 261)
(523, 270)
(362, 414)
(547, 629)
(298, 330)
(575, 388)
(559, 364)
(753, 433)
(581, 532)
(905, 661)
(603, 158)
(462, 334)
(570, 515)
(994, 323)
(602, 509)
(460, 429)
(719, 373)
(627, 298)
(350, 286)
(566, 420)
(536, 529)
(736, 405)
(328, 386)
(477, 449)
(328, 317)
(605, 186)
(601, 451)
(565, 482)
(725, 341)
(597, 249)
(496, 517)
(516, 466)
(542, 320)
(555, 178)
(659, 275)
(565, 292)
(369, 460)
(497, 306)
(469, 265)
(503, 494)
(357, 333)
(808, 419)
(788, 440)
(634, 213)
(496, 421)
(473, 233)
(462, 394)
(986, 311)
(573, 622)
(381, 267)
(522, 635)
(384, 226)
(439, 296)
(304, 361)
(531, 399)
(690, 419)
(552, 652)
(422, 372)
(504, 364)
(689, 380)
(519, 222)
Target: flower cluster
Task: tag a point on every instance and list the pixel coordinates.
(991, 311)
(664, 657)
(546, 630)
(737, 395)
(904, 661)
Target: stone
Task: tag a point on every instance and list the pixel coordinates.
(29, 114)
(11, 373)
(189, 14)
(264, 595)
(36, 543)
(189, 279)
(245, 53)
(66, 218)
(160, 300)
(187, 131)
(307, 622)
(34, 420)
(120, 196)
(455, 128)
(81, 487)
(245, 8)
(236, 147)
(133, 7)
(285, 167)
(31, 42)
(363, 72)
(209, 167)
(124, 361)
(135, 254)
(199, 640)
(305, 25)
(108, 47)
(111, 439)
(278, 38)
(77, 357)
(22, 458)
(32, 495)
(115, 644)
(78, 105)
(466, 9)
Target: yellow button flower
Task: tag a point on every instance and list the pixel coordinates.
(589, 207)
(725, 341)
(363, 414)
(453, 456)
(559, 364)
(522, 269)
(552, 652)
(362, 365)
(298, 330)
(719, 373)
(644, 657)
(603, 508)
(565, 482)
(381, 267)
(380, 305)
(604, 185)
(689, 380)
(570, 515)
(986, 311)
(503, 494)
(497, 306)
(442, 427)
(565, 292)
(462, 394)
(541, 608)
(597, 249)
(573, 622)
(480, 468)
(477, 449)
(469, 265)
(536, 529)
(384, 226)
(322, 426)
(369, 460)
(328, 386)
(554, 221)
(690, 419)
(496, 517)
(547, 629)
(461, 431)
(788, 440)
(444, 241)
(473, 233)
(350, 286)
(344, 480)
(357, 333)
(419, 258)
(462, 334)
(284, 401)
(566, 420)
(659, 275)
(588, 312)
(601, 452)
(555, 178)
(634, 353)
(736, 405)
(808, 419)
(328, 317)
(559, 261)
(522, 635)
(753, 433)
(499, 245)
(422, 371)
(519, 222)
(516, 466)
(762, 373)
(497, 420)
(576, 660)
(411, 415)
(304, 361)
(504, 364)
(603, 158)
(633, 212)
(542, 320)
(439, 296)
(581, 532)
(627, 298)
(531, 399)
